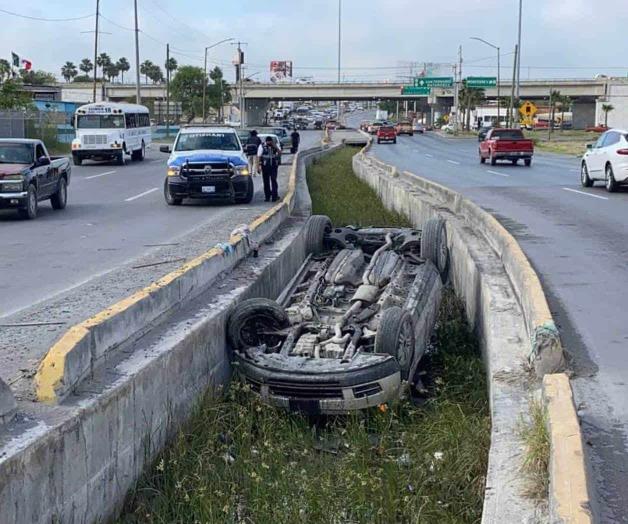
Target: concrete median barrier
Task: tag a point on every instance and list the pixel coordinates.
(7, 403)
(506, 305)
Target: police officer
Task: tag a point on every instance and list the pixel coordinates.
(296, 138)
(250, 148)
(268, 155)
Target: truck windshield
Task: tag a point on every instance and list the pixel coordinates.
(216, 141)
(100, 122)
(507, 134)
(12, 153)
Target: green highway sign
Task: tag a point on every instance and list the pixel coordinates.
(413, 90)
(434, 81)
(481, 81)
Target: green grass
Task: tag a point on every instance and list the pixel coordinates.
(239, 461)
(535, 435)
(337, 193)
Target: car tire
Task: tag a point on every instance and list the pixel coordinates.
(395, 336)
(585, 180)
(60, 199)
(316, 228)
(434, 245)
(170, 200)
(142, 152)
(248, 196)
(29, 212)
(250, 318)
(493, 159)
(77, 160)
(379, 141)
(394, 140)
(482, 159)
(527, 162)
(611, 184)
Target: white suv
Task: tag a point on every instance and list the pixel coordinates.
(606, 160)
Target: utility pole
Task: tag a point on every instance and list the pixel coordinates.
(167, 90)
(457, 86)
(519, 52)
(239, 80)
(339, 53)
(511, 118)
(96, 51)
(138, 94)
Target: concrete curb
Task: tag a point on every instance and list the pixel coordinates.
(8, 405)
(84, 346)
(569, 501)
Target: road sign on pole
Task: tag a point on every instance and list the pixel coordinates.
(434, 81)
(481, 81)
(414, 90)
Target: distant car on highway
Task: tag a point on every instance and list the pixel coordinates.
(606, 160)
(374, 126)
(506, 144)
(386, 134)
(364, 125)
(482, 132)
(418, 128)
(208, 163)
(404, 127)
(28, 175)
(281, 132)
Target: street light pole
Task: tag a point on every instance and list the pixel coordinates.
(138, 95)
(519, 51)
(205, 71)
(339, 53)
(498, 73)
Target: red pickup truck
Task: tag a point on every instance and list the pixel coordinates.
(506, 144)
(386, 133)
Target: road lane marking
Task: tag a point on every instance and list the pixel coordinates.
(497, 173)
(584, 193)
(429, 156)
(101, 174)
(141, 194)
(453, 162)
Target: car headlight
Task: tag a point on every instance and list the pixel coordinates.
(243, 170)
(173, 171)
(12, 177)
(14, 187)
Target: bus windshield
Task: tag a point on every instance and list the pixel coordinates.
(100, 122)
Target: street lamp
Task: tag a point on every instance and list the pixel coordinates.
(205, 74)
(498, 72)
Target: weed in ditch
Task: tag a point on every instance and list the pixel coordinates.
(535, 435)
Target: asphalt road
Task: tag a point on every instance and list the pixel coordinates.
(114, 214)
(577, 239)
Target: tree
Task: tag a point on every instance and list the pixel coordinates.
(171, 65)
(187, 87)
(103, 60)
(110, 71)
(37, 78)
(607, 108)
(564, 102)
(82, 78)
(123, 66)
(69, 71)
(86, 66)
(155, 74)
(13, 96)
(218, 93)
(470, 98)
(5, 70)
(145, 68)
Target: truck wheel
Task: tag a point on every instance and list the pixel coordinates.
(493, 160)
(482, 159)
(141, 154)
(29, 211)
(315, 229)
(434, 245)
(120, 158)
(170, 200)
(527, 162)
(250, 191)
(253, 322)
(395, 336)
(60, 198)
(77, 160)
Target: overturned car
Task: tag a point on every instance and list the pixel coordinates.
(349, 330)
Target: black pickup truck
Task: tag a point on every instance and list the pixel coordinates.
(28, 175)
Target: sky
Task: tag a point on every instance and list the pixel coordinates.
(383, 40)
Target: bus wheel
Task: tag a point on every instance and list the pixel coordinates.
(120, 158)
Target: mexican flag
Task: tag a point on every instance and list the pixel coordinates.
(15, 59)
(21, 63)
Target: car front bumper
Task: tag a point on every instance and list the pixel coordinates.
(12, 199)
(224, 187)
(511, 155)
(96, 153)
(333, 393)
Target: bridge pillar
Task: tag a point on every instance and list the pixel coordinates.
(583, 114)
(255, 111)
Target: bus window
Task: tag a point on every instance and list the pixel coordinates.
(100, 122)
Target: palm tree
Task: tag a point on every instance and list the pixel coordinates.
(110, 71)
(470, 98)
(171, 65)
(86, 66)
(5, 69)
(155, 74)
(145, 69)
(607, 108)
(565, 104)
(123, 66)
(68, 71)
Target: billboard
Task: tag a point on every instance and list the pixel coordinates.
(280, 71)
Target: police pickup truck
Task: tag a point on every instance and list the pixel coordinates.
(28, 175)
(207, 162)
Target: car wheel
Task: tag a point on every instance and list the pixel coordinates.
(316, 228)
(482, 159)
(142, 152)
(255, 322)
(29, 211)
(584, 176)
(77, 160)
(248, 196)
(527, 162)
(434, 245)
(611, 185)
(60, 198)
(170, 200)
(395, 336)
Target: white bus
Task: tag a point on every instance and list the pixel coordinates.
(108, 131)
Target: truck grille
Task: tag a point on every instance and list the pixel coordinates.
(95, 140)
(304, 390)
(217, 169)
(367, 390)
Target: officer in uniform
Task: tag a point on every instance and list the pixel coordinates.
(268, 155)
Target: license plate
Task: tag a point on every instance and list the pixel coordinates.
(208, 189)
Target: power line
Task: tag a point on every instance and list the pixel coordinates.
(40, 19)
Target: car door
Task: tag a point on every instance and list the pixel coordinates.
(43, 173)
(607, 152)
(595, 159)
(484, 145)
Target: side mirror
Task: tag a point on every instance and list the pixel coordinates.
(589, 147)
(165, 149)
(43, 161)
